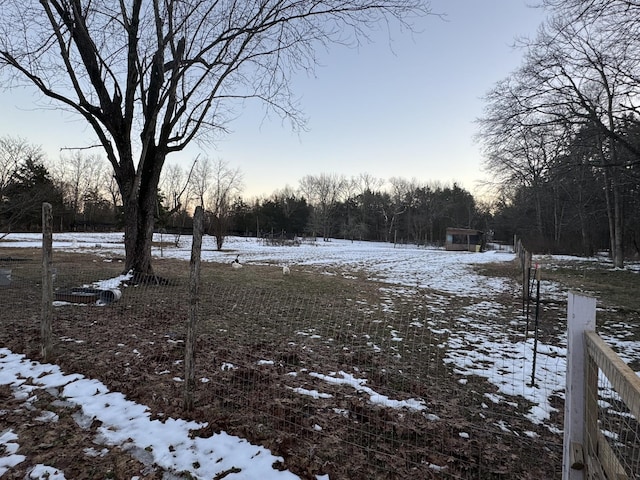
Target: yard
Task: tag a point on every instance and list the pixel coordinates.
(367, 361)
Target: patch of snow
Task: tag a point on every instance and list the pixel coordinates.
(123, 422)
(311, 393)
(374, 397)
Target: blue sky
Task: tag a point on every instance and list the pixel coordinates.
(402, 107)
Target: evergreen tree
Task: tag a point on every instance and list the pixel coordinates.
(30, 186)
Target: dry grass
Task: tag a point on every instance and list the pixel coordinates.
(318, 321)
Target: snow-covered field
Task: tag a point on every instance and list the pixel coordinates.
(473, 347)
(401, 265)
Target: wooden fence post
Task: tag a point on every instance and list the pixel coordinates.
(47, 282)
(581, 318)
(192, 323)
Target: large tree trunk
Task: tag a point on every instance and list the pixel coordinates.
(614, 214)
(138, 234)
(617, 211)
(139, 208)
(614, 210)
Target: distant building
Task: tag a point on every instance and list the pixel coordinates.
(464, 239)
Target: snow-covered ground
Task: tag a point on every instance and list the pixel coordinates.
(473, 347)
(401, 265)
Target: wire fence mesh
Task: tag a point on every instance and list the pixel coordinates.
(619, 427)
(337, 374)
(613, 402)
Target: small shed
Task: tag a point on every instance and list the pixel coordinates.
(464, 239)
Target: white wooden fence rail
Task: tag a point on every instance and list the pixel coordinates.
(587, 453)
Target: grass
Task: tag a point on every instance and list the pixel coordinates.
(614, 288)
(315, 320)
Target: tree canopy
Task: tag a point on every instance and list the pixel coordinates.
(559, 133)
(151, 77)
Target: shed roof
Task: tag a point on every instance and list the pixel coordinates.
(463, 231)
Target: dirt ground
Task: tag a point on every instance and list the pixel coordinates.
(136, 346)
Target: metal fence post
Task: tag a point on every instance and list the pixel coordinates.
(581, 317)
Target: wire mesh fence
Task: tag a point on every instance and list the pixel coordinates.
(611, 414)
(335, 373)
(619, 429)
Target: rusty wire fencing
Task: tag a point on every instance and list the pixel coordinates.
(338, 375)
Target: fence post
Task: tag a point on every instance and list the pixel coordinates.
(581, 318)
(192, 323)
(47, 282)
(525, 261)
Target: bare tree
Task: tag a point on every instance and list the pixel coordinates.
(323, 192)
(174, 183)
(367, 182)
(150, 77)
(113, 192)
(13, 151)
(578, 72)
(520, 153)
(401, 190)
(225, 186)
(200, 180)
(214, 185)
(80, 175)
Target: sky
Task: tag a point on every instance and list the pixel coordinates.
(475, 347)
(402, 106)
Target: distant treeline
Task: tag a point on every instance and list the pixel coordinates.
(562, 211)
